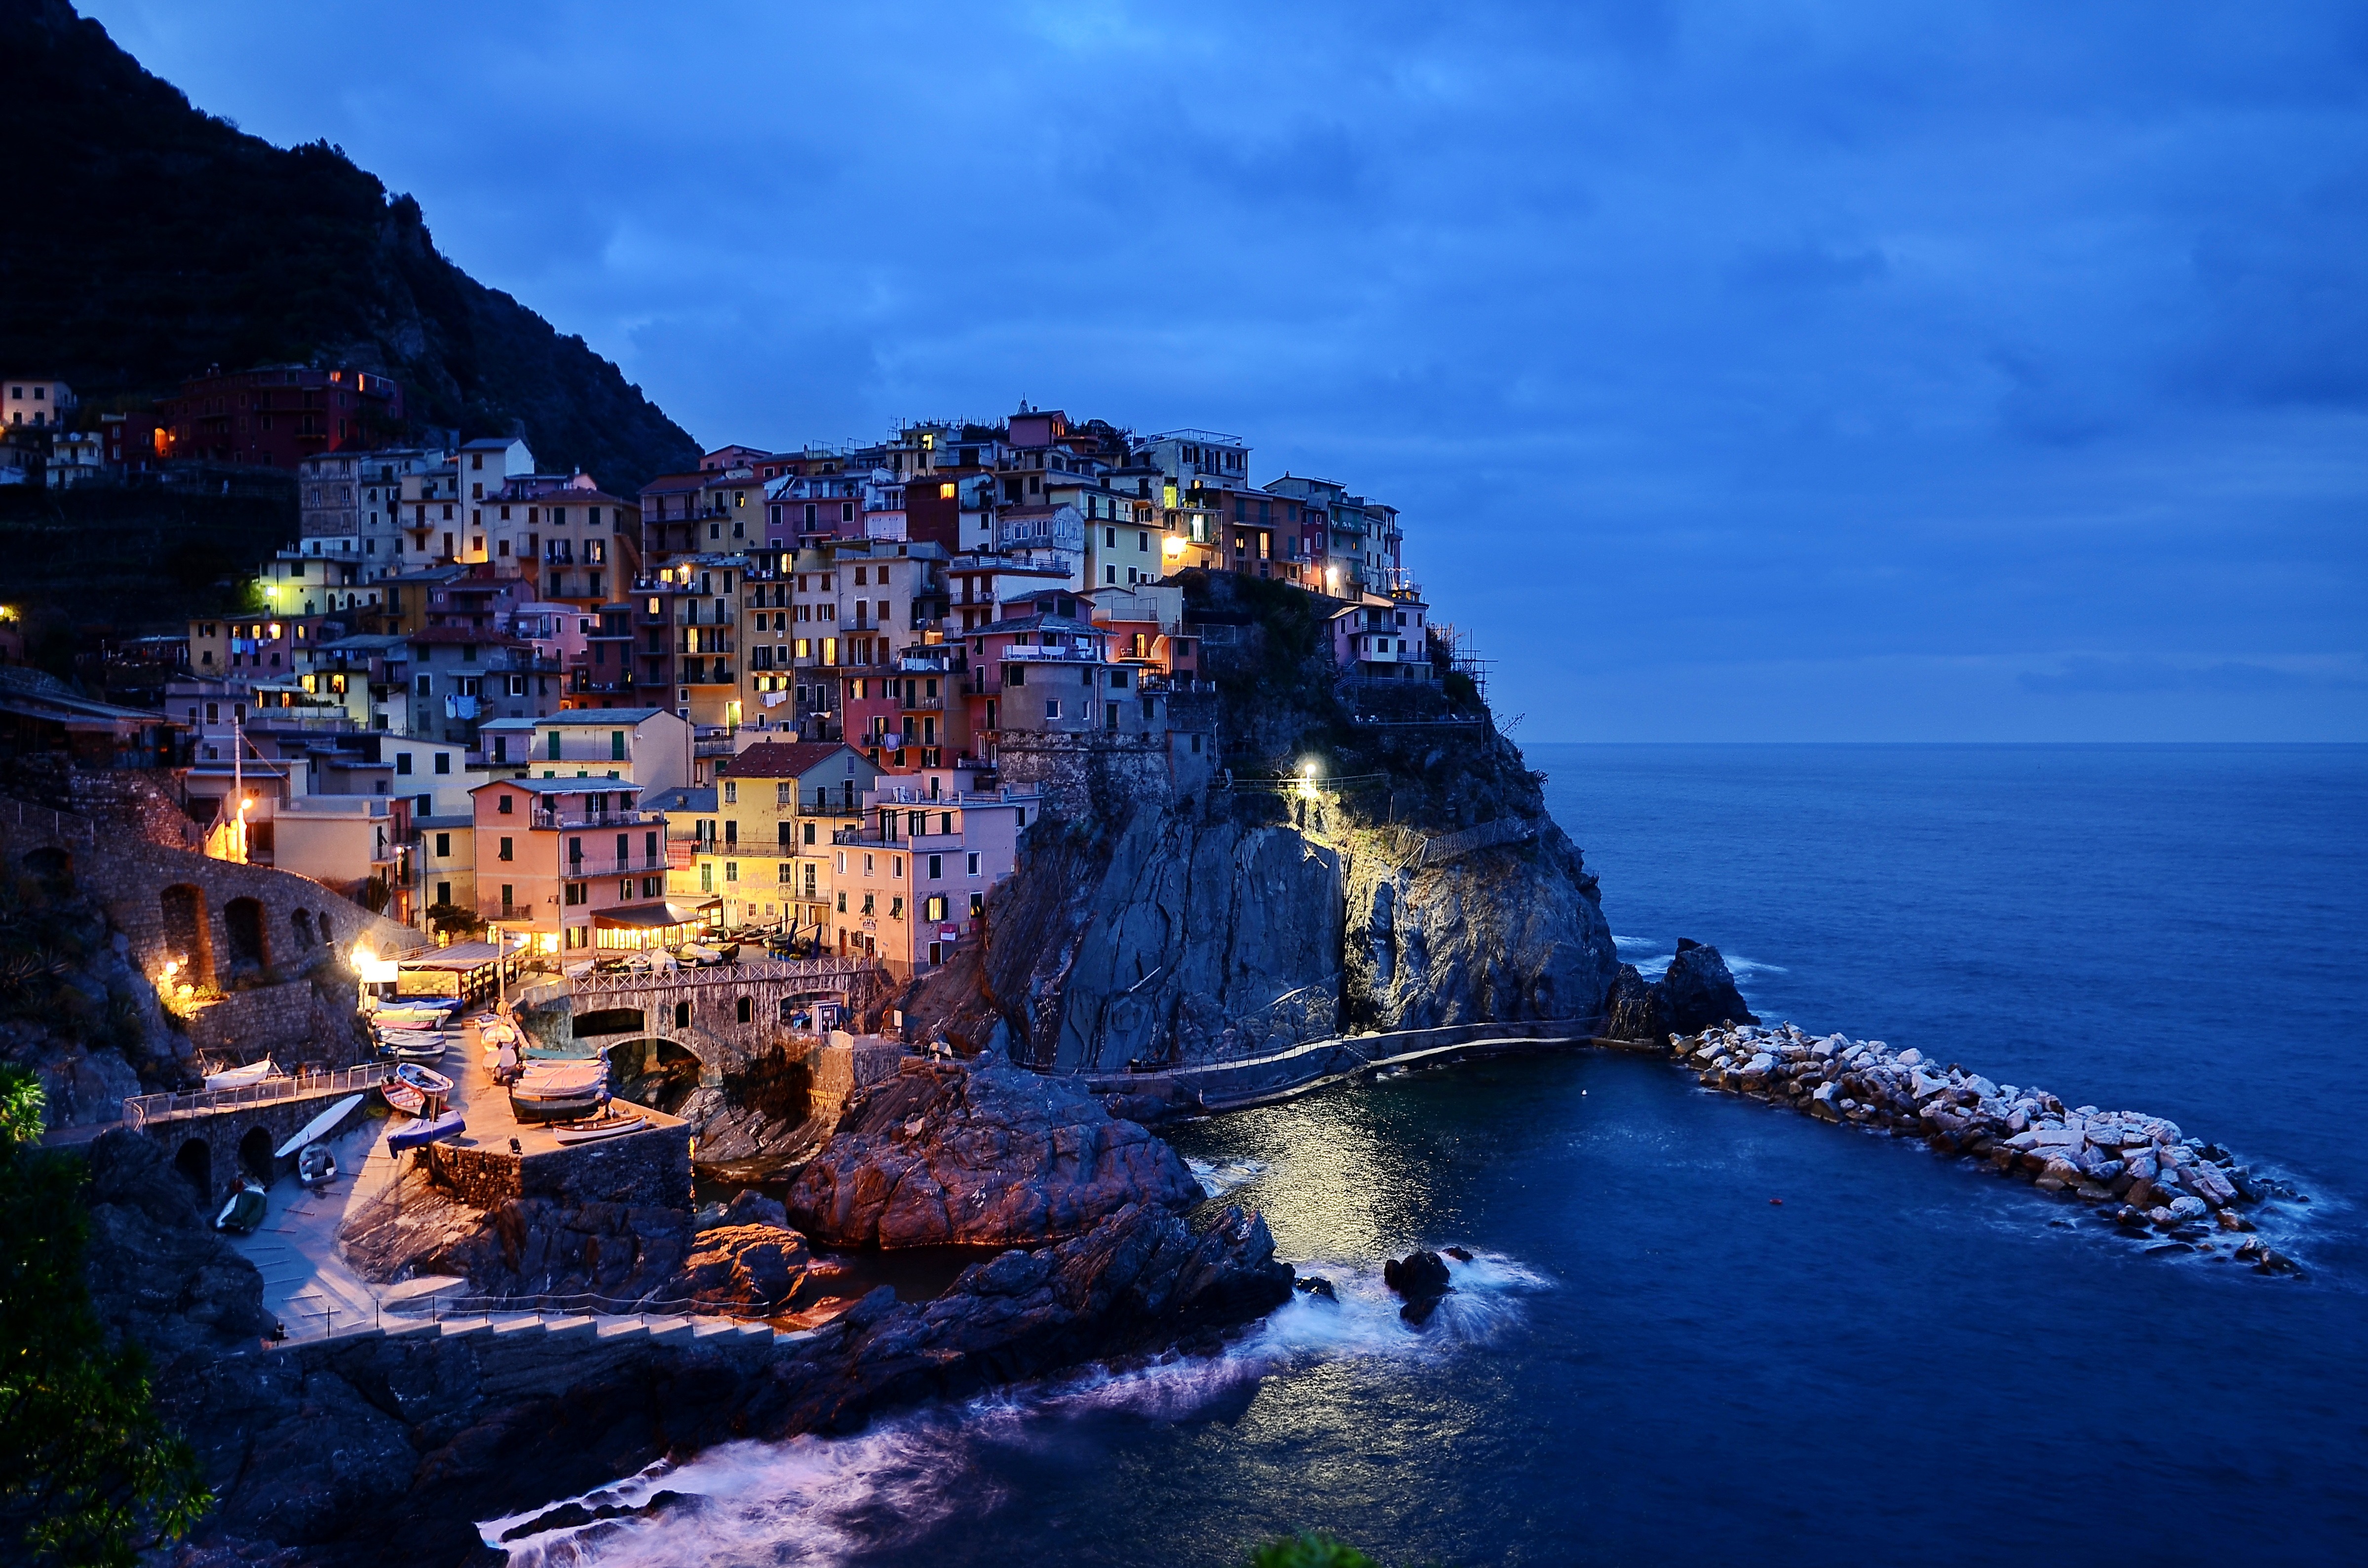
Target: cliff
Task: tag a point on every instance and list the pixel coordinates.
(1414, 881)
(156, 240)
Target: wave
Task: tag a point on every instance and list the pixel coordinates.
(1218, 1177)
(1619, 941)
(814, 1500)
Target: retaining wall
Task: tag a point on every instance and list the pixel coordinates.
(1301, 1069)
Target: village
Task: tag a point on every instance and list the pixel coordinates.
(802, 701)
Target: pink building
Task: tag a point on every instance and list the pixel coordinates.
(912, 882)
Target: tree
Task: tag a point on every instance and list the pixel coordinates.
(89, 1475)
(1314, 1549)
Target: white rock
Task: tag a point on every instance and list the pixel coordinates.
(1910, 1057)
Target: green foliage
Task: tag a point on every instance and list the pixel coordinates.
(457, 918)
(1313, 1549)
(375, 895)
(88, 1473)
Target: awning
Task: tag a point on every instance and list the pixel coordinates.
(655, 917)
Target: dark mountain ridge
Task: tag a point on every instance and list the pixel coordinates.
(149, 239)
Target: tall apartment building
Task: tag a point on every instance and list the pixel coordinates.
(280, 415)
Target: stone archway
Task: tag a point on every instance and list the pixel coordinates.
(188, 935)
(248, 932)
(50, 864)
(254, 1154)
(299, 927)
(196, 1163)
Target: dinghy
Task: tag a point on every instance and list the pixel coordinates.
(403, 1096)
(319, 1127)
(424, 1079)
(316, 1164)
(599, 1127)
(409, 1045)
(421, 1134)
(244, 1212)
(243, 1077)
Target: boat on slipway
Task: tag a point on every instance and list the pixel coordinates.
(606, 1125)
(244, 1077)
(428, 1131)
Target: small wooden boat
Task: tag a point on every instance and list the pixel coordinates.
(608, 1125)
(403, 1096)
(319, 1127)
(316, 1164)
(424, 1079)
(243, 1077)
(421, 1134)
(417, 1047)
(244, 1212)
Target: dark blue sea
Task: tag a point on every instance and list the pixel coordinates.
(1652, 1362)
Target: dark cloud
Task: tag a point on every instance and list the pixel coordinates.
(1906, 367)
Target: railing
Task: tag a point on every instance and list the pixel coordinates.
(717, 974)
(596, 821)
(143, 1110)
(613, 865)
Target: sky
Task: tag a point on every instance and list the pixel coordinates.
(1816, 371)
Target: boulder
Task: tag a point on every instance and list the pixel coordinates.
(1421, 1278)
(989, 1156)
(157, 1270)
(756, 1267)
(1633, 1008)
(1699, 990)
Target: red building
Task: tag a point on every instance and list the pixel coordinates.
(278, 415)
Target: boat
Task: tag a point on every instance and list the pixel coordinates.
(242, 1077)
(319, 1127)
(316, 1164)
(403, 1096)
(421, 1134)
(244, 1212)
(412, 1015)
(550, 1090)
(604, 1126)
(424, 1079)
(416, 1047)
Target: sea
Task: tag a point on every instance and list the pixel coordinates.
(1695, 1329)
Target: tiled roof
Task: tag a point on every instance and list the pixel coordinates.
(782, 759)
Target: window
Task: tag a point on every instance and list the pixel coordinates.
(896, 909)
(550, 746)
(937, 867)
(1052, 708)
(730, 870)
(402, 762)
(576, 893)
(867, 906)
(507, 900)
(810, 833)
(505, 854)
(935, 909)
(444, 849)
(443, 762)
(977, 904)
(973, 863)
(505, 802)
(616, 746)
(707, 876)
(731, 792)
(747, 1010)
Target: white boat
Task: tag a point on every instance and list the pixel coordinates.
(599, 1127)
(319, 1127)
(242, 1077)
(425, 1081)
(404, 1097)
(244, 1212)
(549, 1090)
(315, 1164)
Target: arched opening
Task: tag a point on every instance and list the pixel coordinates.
(299, 925)
(328, 931)
(250, 943)
(187, 933)
(50, 864)
(747, 1010)
(196, 1164)
(254, 1154)
(608, 1020)
(682, 1015)
(655, 1072)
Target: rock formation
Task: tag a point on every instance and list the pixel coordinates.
(158, 1274)
(947, 1155)
(1699, 991)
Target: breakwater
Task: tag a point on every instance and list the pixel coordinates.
(2137, 1170)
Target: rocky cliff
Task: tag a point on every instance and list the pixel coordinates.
(1414, 880)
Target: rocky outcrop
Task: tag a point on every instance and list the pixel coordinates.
(2134, 1168)
(383, 1450)
(522, 1245)
(1699, 990)
(1509, 933)
(1420, 1278)
(750, 1267)
(158, 1274)
(1633, 1008)
(991, 1156)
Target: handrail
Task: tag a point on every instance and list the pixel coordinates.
(141, 1109)
(688, 975)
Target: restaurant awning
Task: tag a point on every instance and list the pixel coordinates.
(655, 917)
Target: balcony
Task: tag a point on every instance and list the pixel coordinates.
(593, 822)
(614, 864)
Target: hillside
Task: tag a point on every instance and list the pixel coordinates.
(148, 239)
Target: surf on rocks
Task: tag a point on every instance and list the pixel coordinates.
(2134, 1168)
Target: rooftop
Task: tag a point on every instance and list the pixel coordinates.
(784, 759)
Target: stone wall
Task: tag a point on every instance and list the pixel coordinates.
(650, 1167)
(846, 1062)
(1103, 774)
(235, 1143)
(291, 1023)
(220, 919)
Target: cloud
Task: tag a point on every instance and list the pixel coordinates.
(2125, 673)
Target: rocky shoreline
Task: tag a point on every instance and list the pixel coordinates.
(2139, 1171)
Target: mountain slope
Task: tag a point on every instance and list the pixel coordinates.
(147, 240)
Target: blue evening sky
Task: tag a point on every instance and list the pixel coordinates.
(1842, 371)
